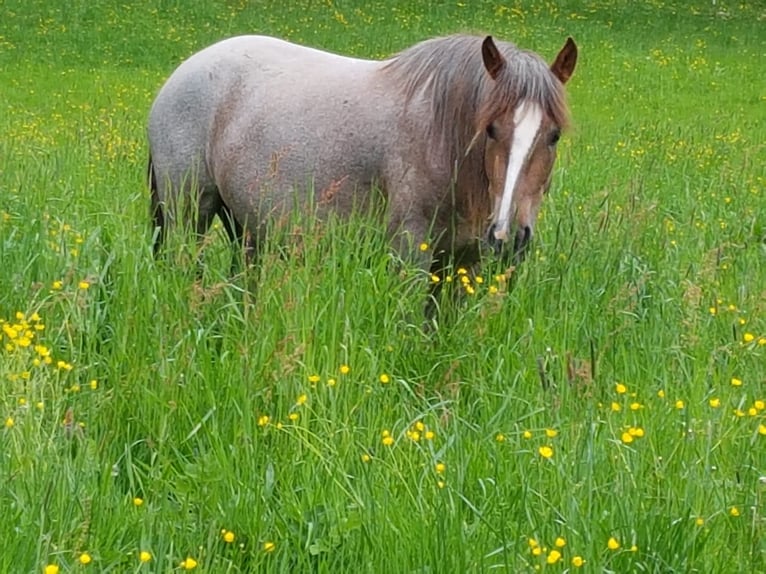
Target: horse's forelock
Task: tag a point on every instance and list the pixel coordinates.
(449, 74)
(526, 78)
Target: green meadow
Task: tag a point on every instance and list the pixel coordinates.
(602, 411)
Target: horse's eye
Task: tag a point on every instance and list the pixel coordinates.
(554, 137)
(491, 132)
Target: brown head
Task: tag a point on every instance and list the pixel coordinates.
(520, 121)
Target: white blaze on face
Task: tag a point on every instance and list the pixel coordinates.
(527, 119)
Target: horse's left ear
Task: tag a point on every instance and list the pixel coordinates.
(564, 65)
(493, 59)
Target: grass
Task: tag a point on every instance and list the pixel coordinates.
(181, 419)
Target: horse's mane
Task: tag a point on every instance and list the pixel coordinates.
(449, 73)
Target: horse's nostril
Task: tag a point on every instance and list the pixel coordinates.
(521, 242)
(491, 233)
(527, 233)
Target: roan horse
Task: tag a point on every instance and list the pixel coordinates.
(458, 133)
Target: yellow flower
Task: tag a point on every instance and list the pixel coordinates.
(384, 378)
(636, 431)
(616, 407)
(293, 416)
(560, 542)
(526, 434)
(577, 561)
(627, 438)
(699, 521)
(613, 544)
(759, 405)
(138, 501)
(748, 337)
(57, 285)
(423, 247)
(263, 420)
(9, 422)
(553, 557)
(680, 404)
(550, 433)
(331, 382)
(189, 564)
(537, 551)
(661, 394)
(228, 536)
(500, 437)
(388, 440)
(366, 457)
(735, 382)
(734, 511)
(635, 406)
(51, 569)
(269, 546)
(620, 388)
(345, 369)
(762, 429)
(145, 556)
(429, 435)
(435, 278)
(83, 285)
(533, 543)
(302, 399)
(440, 467)
(313, 379)
(715, 402)
(545, 451)
(85, 558)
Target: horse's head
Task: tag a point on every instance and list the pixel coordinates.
(522, 120)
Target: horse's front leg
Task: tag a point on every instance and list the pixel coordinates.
(410, 240)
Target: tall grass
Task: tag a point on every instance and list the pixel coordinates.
(603, 412)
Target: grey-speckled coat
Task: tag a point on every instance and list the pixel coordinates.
(254, 126)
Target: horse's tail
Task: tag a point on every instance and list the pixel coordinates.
(156, 213)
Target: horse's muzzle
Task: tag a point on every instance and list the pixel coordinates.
(521, 241)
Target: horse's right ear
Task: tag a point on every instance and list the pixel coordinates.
(493, 59)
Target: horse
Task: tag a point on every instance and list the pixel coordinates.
(455, 135)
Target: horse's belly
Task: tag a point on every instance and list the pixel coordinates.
(285, 155)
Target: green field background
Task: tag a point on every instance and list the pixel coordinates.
(606, 413)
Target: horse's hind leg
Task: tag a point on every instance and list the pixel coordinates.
(242, 241)
(157, 212)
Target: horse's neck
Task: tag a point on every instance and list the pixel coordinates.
(472, 196)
